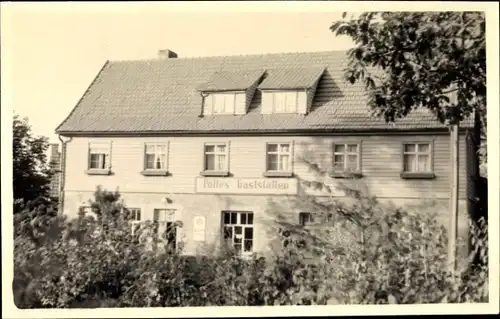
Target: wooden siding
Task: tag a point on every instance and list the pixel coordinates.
(381, 163)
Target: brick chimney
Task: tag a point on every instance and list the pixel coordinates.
(166, 54)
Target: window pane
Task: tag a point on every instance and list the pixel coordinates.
(250, 218)
(424, 148)
(233, 218)
(279, 102)
(94, 160)
(272, 162)
(158, 164)
(221, 148)
(272, 147)
(227, 218)
(284, 148)
(150, 160)
(210, 162)
(409, 147)
(228, 232)
(248, 245)
(237, 231)
(409, 163)
(248, 232)
(209, 148)
(352, 148)
(105, 159)
(423, 163)
(352, 161)
(163, 161)
(339, 148)
(284, 162)
(150, 149)
(160, 149)
(219, 102)
(221, 162)
(243, 218)
(291, 101)
(338, 160)
(229, 103)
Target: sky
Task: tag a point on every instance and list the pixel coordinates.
(56, 50)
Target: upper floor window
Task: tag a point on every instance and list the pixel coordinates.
(279, 157)
(223, 103)
(99, 156)
(417, 160)
(283, 101)
(216, 157)
(156, 157)
(346, 158)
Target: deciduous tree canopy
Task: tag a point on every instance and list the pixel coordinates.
(31, 173)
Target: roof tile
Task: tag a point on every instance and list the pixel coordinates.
(162, 96)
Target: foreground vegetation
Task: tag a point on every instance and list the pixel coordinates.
(99, 262)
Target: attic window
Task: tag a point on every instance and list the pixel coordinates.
(284, 101)
(223, 103)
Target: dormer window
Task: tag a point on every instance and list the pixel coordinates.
(284, 101)
(223, 103)
(229, 92)
(289, 91)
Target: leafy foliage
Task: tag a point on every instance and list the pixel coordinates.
(423, 56)
(87, 262)
(31, 173)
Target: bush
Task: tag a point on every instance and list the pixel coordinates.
(100, 261)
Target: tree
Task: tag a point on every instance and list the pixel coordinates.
(432, 60)
(409, 60)
(31, 172)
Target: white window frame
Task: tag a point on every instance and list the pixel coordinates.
(156, 153)
(103, 150)
(218, 108)
(279, 153)
(238, 223)
(309, 216)
(416, 153)
(345, 155)
(169, 217)
(289, 108)
(134, 222)
(216, 154)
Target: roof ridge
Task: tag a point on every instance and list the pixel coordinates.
(243, 55)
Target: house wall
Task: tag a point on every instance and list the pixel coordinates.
(381, 164)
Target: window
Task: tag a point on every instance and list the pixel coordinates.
(166, 228)
(99, 158)
(156, 157)
(279, 157)
(417, 158)
(216, 157)
(135, 218)
(305, 218)
(223, 103)
(283, 101)
(346, 158)
(238, 230)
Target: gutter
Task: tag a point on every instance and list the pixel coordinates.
(62, 177)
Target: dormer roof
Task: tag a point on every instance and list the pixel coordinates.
(291, 78)
(239, 80)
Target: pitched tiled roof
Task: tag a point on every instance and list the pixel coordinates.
(291, 78)
(232, 80)
(162, 96)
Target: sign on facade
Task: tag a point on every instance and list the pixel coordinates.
(199, 228)
(261, 186)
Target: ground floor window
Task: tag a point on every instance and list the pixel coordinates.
(165, 226)
(238, 230)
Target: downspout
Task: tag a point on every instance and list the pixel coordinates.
(203, 96)
(62, 168)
